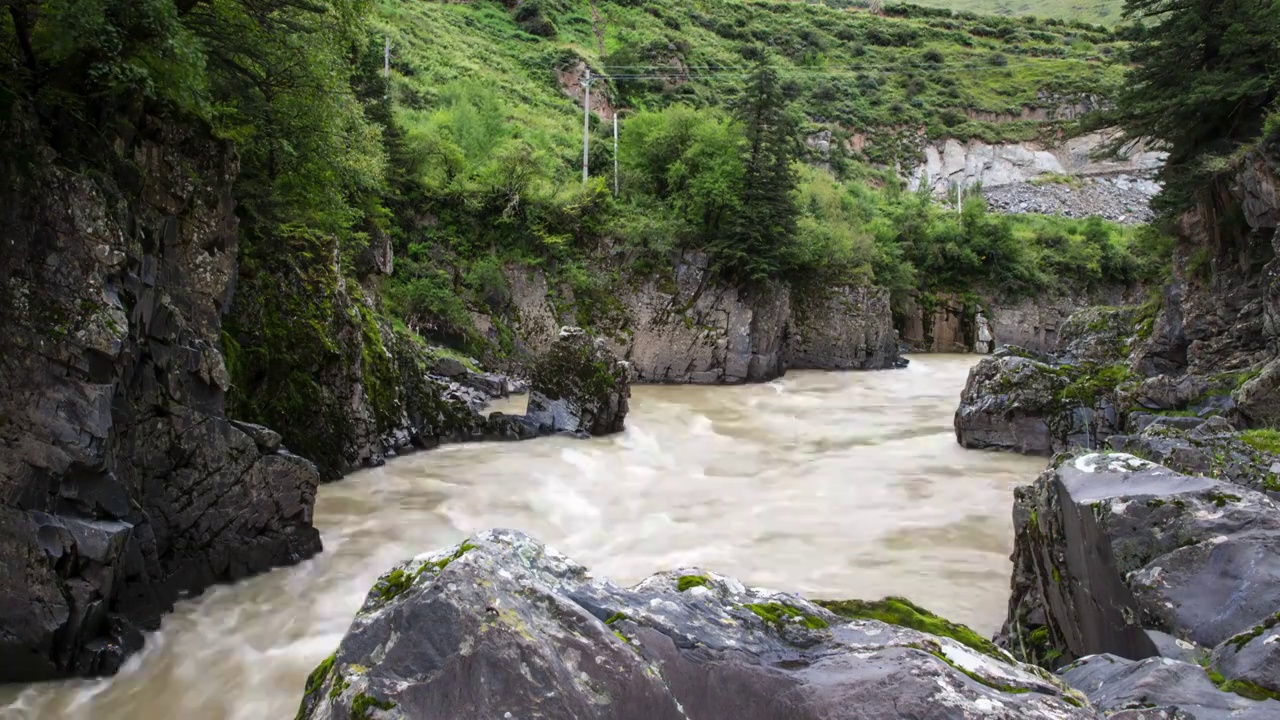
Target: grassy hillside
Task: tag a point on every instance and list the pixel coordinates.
(845, 69)
(1103, 12)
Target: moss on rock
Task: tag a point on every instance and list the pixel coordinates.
(902, 612)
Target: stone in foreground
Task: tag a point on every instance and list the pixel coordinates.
(504, 627)
(1160, 688)
(579, 387)
(1109, 547)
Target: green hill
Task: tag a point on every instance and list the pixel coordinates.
(1105, 12)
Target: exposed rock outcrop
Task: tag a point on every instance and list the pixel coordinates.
(689, 329)
(122, 482)
(947, 323)
(579, 387)
(842, 329)
(951, 162)
(1113, 552)
(502, 626)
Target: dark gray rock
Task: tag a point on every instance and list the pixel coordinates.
(502, 626)
(449, 367)
(122, 483)
(1257, 402)
(1198, 446)
(1160, 688)
(1007, 403)
(1108, 546)
(579, 387)
(1252, 657)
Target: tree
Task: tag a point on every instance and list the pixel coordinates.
(1206, 72)
(766, 220)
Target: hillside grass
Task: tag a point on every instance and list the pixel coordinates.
(1102, 12)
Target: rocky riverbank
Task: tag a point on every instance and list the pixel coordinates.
(501, 625)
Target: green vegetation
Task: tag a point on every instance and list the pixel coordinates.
(691, 581)
(778, 614)
(363, 705)
(1105, 12)
(900, 611)
(1265, 440)
(615, 618)
(1239, 641)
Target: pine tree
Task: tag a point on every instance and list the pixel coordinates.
(1206, 72)
(766, 221)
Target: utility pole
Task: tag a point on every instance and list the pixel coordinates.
(586, 123)
(615, 151)
(386, 58)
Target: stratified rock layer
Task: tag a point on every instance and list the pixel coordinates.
(502, 626)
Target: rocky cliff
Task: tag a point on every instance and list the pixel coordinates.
(122, 482)
(689, 329)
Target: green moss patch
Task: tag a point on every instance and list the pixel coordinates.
(902, 612)
(779, 614)
(363, 706)
(615, 618)
(691, 581)
(978, 678)
(1244, 638)
(398, 581)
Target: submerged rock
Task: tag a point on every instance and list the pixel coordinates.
(1109, 546)
(579, 387)
(502, 626)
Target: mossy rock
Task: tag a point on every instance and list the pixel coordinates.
(902, 612)
(579, 386)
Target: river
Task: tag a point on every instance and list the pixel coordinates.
(835, 485)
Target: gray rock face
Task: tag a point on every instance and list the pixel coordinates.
(1160, 688)
(1108, 546)
(122, 482)
(502, 626)
(690, 329)
(842, 329)
(579, 387)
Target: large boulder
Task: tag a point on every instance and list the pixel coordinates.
(1110, 548)
(579, 386)
(502, 626)
(1028, 403)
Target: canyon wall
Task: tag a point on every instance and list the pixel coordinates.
(686, 328)
(123, 483)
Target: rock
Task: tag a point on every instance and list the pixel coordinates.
(1257, 401)
(449, 367)
(491, 384)
(842, 328)
(1250, 661)
(501, 626)
(1006, 405)
(1160, 688)
(1108, 546)
(579, 387)
(1097, 335)
(1194, 446)
(123, 485)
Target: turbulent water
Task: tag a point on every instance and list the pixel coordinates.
(831, 484)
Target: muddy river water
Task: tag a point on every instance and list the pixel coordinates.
(830, 484)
